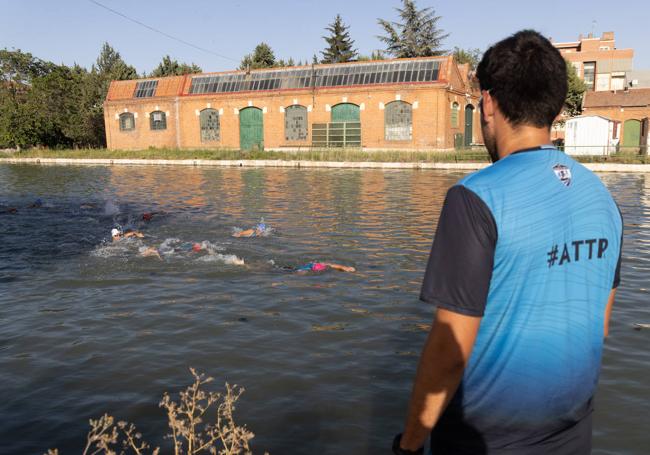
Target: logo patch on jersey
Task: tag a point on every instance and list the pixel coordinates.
(563, 173)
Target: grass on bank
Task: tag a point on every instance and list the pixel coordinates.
(339, 155)
(354, 155)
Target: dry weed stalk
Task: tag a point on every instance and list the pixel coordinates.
(190, 436)
(189, 433)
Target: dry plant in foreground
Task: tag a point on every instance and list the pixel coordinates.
(192, 431)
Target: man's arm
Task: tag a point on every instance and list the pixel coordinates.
(341, 268)
(246, 233)
(442, 362)
(608, 310)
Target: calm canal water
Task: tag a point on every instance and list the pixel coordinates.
(88, 327)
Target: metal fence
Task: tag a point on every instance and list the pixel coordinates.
(336, 134)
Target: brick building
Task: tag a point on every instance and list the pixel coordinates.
(630, 108)
(423, 104)
(598, 62)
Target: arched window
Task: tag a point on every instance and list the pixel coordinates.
(127, 121)
(158, 120)
(398, 120)
(210, 127)
(295, 123)
(455, 108)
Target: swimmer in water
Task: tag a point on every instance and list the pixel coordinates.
(87, 206)
(117, 234)
(320, 267)
(148, 216)
(150, 252)
(256, 231)
(10, 210)
(38, 203)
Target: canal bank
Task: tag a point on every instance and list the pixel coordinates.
(465, 166)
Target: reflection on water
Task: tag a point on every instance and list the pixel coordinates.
(88, 326)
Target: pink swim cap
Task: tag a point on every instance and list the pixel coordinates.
(196, 247)
(318, 266)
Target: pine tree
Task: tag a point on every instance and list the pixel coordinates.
(169, 67)
(340, 45)
(262, 57)
(109, 67)
(110, 63)
(417, 35)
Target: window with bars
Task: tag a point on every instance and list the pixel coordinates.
(455, 108)
(295, 123)
(127, 121)
(398, 120)
(210, 127)
(145, 89)
(158, 120)
(319, 76)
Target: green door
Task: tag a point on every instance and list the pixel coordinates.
(469, 124)
(345, 112)
(631, 134)
(251, 129)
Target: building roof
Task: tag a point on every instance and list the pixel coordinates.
(365, 73)
(583, 117)
(620, 98)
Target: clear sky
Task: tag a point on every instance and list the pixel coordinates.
(72, 31)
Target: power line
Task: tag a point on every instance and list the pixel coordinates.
(161, 32)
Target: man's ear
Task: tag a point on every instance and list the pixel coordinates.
(488, 104)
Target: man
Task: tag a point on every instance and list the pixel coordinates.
(117, 234)
(523, 270)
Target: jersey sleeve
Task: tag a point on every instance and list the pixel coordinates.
(617, 273)
(459, 269)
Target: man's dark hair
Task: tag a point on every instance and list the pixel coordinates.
(527, 76)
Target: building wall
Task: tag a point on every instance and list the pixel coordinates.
(431, 105)
(611, 63)
(620, 114)
(141, 137)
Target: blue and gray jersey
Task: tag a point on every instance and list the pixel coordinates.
(532, 245)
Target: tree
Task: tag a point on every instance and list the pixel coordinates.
(376, 55)
(262, 57)
(111, 64)
(471, 56)
(576, 89)
(340, 46)
(169, 67)
(43, 104)
(109, 67)
(417, 35)
(18, 125)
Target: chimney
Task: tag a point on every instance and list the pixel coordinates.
(608, 36)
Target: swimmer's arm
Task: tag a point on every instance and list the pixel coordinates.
(246, 233)
(608, 310)
(137, 234)
(442, 362)
(342, 268)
